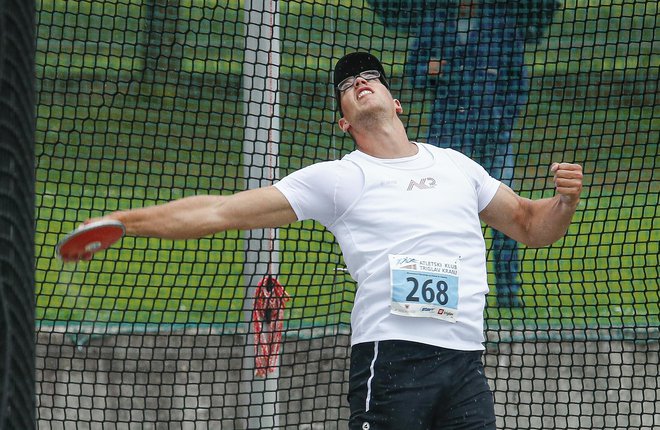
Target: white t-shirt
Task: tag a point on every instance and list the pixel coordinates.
(386, 213)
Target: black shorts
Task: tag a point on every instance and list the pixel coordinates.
(401, 385)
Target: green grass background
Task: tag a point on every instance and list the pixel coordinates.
(111, 135)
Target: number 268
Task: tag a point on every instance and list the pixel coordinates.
(428, 293)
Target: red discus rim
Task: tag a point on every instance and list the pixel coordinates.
(89, 239)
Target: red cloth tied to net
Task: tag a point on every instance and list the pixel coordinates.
(268, 321)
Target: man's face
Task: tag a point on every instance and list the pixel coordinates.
(365, 97)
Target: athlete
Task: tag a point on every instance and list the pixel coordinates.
(407, 216)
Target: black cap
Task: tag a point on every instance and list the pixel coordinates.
(353, 64)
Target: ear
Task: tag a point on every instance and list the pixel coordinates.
(344, 125)
(399, 108)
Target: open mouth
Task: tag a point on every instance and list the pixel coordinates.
(363, 93)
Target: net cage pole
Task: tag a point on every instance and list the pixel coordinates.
(260, 151)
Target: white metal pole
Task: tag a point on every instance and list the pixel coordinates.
(260, 157)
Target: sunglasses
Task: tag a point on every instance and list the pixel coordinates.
(367, 75)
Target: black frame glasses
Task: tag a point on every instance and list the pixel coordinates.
(367, 75)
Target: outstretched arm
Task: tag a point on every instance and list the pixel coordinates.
(542, 222)
(198, 216)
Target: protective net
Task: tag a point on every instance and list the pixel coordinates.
(142, 102)
(17, 101)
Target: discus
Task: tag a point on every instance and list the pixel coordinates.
(89, 239)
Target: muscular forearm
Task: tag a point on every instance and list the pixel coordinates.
(187, 218)
(549, 220)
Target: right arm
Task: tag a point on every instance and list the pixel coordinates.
(198, 216)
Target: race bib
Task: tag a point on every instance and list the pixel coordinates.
(424, 286)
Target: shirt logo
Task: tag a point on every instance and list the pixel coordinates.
(423, 184)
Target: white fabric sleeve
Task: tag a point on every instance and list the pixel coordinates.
(322, 191)
(485, 185)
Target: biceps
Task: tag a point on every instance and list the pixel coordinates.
(507, 213)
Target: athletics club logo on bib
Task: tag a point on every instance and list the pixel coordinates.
(424, 286)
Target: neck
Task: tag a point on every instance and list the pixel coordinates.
(388, 140)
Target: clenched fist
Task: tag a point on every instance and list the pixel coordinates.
(568, 181)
